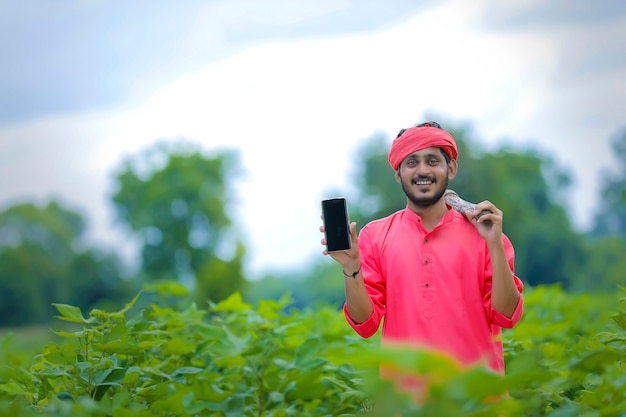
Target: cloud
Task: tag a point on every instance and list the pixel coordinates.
(556, 14)
(89, 55)
(298, 109)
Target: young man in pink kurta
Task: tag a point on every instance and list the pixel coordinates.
(442, 280)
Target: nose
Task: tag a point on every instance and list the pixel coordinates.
(423, 168)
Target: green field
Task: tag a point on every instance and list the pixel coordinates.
(565, 358)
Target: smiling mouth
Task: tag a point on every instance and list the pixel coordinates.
(423, 183)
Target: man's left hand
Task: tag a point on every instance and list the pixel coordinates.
(488, 220)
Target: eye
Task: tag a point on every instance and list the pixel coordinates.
(411, 162)
(433, 161)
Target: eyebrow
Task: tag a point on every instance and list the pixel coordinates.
(428, 155)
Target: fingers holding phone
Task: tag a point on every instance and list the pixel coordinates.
(339, 234)
(336, 224)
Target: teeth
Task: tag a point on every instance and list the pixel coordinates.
(423, 182)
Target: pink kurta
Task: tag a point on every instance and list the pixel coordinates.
(434, 289)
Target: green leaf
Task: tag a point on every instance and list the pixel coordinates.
(306, 350)
(71, 314)
(620, 319)
(54, 371)
(284, 364)
(114, 376)
(237, 344)
(595, 360)
(56, 354)
(233, 303)
(98, 391)
(69, 335)
(120, 400)
(186, 370)
(12, 388)
(476, 384)
(130, 305)
(607, 338)
(276, 397)
(178, 346)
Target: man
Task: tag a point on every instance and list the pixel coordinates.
(442, 280)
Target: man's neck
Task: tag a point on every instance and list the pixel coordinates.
(431, 215)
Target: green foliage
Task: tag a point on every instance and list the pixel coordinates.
(611, 217)
(605, 264)
(566, 357)
(319, 283)
(177, 201)
(43, 260)
(227, 360)
(525, 185)
(548, 249)
(376, 188)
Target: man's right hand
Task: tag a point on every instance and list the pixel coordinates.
(348, 259)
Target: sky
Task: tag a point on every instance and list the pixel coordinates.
(295, 87)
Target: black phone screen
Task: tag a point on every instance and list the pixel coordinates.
(336, 224)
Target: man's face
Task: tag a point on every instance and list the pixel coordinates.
(424, 176)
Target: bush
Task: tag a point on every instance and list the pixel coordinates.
(230, 359)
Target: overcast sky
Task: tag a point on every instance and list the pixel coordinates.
(296, 86)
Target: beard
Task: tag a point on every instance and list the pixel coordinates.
(424, 202)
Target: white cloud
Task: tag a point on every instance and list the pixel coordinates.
(297, 110)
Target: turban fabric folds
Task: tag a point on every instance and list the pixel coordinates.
(417, 138)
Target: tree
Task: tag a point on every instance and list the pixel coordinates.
(548, 249)
(610, 219)
(605, 265)
(177, 200)
(43, 260)
(375, 193)
(318, 283)
(606, 244)
(525, 185)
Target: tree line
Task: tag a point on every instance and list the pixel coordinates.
(529, 187)
(175, 199)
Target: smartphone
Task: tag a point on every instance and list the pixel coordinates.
(336, 224)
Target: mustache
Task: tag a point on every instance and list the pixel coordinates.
(423, 178)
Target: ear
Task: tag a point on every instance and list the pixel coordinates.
(452, 167)
(397, 176)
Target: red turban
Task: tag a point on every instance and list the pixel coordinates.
(417, 138)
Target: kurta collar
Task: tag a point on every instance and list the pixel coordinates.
(412, 217)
